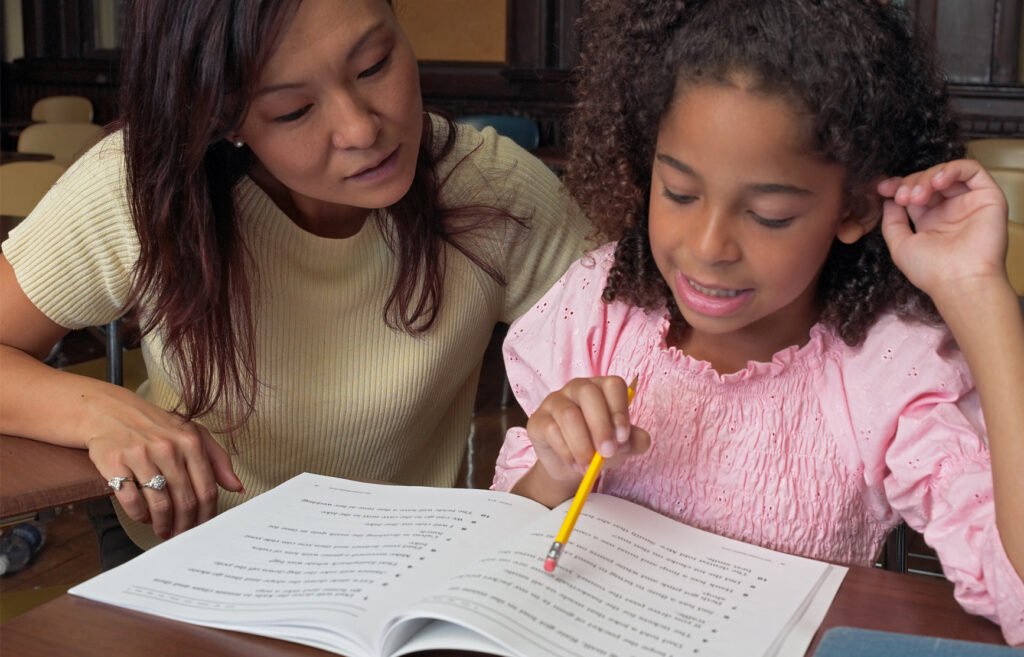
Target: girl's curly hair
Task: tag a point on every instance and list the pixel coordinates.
(875, 101)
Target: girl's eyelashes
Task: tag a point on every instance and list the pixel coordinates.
(772, 223)
(686, 199)
(293, 116)
(376, 68)
(681, 199)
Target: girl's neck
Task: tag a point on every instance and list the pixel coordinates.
(731, 352)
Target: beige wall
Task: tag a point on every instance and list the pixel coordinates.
(455, 30)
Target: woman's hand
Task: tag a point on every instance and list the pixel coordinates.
(132, 438)
(586, 416)
(958, 237)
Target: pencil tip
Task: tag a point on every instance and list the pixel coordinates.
(549, 565)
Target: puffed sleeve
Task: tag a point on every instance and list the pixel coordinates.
(570, 332)
(74, 254)
(921, 434)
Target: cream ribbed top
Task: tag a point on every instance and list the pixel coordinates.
(343, 395)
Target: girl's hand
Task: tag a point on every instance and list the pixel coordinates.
(958, 239)
(134, 439)
(585, 416)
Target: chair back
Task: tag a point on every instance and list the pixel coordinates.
(65, 141)
(522, 131)
(997, 153)
(22, 184)
(62, 109)
(1011, 181)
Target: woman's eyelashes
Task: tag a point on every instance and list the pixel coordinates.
(362, 75)
(686, 199)
(293, 116)
(376, 68)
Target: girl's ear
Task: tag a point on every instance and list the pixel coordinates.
(861, 218)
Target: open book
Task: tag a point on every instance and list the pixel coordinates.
(369, 570)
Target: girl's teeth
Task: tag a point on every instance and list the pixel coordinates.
(713, 293)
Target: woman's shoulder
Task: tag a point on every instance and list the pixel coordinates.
(486, 153)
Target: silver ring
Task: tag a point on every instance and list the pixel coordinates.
(156, 483)
(115, 482)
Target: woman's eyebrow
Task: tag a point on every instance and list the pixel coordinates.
(367, 35)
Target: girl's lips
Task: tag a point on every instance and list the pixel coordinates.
(377, 171)
(710, 301)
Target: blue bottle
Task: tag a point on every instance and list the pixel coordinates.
(19, 544)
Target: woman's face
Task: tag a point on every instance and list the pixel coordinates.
(337, 117)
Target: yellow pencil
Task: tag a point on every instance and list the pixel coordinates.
(577, 501)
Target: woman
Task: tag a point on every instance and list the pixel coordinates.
(317, 265)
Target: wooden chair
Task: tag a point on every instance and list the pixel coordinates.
(998, 153)
(1012, 183)
(65, 141)
(22, 184)
(1004, 159)
(62, 109)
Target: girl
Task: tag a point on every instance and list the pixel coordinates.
(758, 163)
(317, 264)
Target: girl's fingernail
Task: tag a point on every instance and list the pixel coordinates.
(622, 434)
(608, 449)
(916, 190)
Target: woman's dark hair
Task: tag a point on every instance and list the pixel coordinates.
(188, 72)
(874, 101)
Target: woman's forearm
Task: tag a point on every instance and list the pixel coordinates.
(43, 403)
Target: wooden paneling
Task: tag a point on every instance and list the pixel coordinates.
(455, 30)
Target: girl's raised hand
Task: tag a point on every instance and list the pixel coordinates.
(946, 227)
(585, 416)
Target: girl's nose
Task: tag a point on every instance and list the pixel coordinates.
(354, 124)
(711, 241)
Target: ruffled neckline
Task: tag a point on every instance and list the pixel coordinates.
(794, 356)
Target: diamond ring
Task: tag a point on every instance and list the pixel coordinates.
(156, 483)
(115, 482)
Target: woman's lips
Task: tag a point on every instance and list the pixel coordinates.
(709, 300)
(377, 171)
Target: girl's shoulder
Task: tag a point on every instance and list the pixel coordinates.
(904, 358)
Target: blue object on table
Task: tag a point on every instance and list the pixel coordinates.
(522, 131)
(855, 642)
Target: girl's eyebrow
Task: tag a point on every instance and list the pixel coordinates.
(369, 34)
(760, 188)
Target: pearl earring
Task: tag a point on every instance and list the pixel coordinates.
(238, 143)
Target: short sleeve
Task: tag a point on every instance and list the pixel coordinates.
(491, 171)
(73, 255)
(919, 426)
(568, 333)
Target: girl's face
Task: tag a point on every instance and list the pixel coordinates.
(742, 217)
(336, 118)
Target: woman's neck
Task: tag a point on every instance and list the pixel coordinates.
(320, 218)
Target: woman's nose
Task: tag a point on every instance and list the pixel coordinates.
(354, 124)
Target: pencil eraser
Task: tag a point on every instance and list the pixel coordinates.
(549, 565)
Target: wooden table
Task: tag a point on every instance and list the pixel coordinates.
(35, 476)
(869, 598)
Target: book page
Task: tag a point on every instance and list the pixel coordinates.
(631, 582)
(317, 560)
